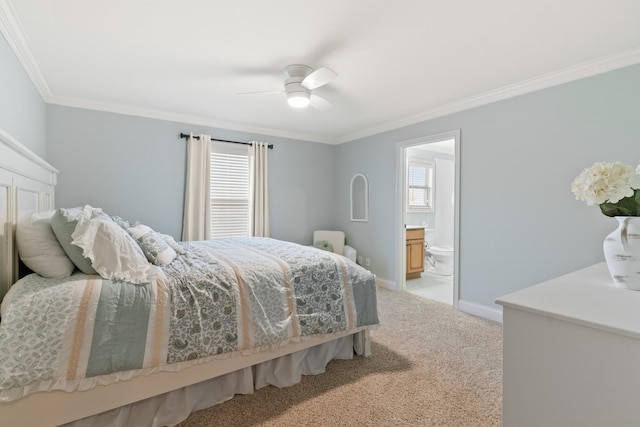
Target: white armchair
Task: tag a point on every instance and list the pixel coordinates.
(337, 240)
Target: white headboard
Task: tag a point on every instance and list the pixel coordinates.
(27, 185)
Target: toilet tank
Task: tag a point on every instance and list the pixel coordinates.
(430, 237)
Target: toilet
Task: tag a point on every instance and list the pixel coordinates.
(437, 260)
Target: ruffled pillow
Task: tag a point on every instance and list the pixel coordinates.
(155, 248)
(39, 249)
(63, 223)
(173, 244)
(112, 251)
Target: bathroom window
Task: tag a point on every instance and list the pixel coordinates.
(420, 184)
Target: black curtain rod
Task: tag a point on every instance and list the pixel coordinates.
(185, 136)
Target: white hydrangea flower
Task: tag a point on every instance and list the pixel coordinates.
(605, 182)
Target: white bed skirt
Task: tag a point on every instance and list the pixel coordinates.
(171, 408)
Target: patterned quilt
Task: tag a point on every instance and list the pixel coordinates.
(219, 299)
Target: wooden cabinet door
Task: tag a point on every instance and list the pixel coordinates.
(415, 258)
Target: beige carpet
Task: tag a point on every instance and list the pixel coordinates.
(431, 366)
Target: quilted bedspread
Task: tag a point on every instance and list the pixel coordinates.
(221, 298)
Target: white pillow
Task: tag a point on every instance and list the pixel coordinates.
(39, 249)
(155, 248)
(173, 244)
(113, 253)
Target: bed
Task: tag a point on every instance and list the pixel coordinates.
(203, 321)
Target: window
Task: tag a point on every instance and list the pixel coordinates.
(229, 190)
(420, 185)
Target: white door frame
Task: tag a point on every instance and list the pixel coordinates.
(401, 203)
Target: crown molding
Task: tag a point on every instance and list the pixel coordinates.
(187, 119)
(566, 75)
(11, 28)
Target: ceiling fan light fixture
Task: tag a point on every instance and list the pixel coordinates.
(298, 99)
(300, 81)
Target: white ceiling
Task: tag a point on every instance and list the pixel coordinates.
(398, 62)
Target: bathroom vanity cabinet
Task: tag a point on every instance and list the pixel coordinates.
(415, 251)
(571, 352)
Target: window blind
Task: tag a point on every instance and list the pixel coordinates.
(229, 192)
(420, 184)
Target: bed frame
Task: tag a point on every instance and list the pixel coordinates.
(27, 185)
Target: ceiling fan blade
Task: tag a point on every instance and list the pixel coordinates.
(260, 93)
(319, 103)
(317, 78)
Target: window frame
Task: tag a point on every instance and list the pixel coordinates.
(428, 188)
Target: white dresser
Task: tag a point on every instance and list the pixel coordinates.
(572, 353)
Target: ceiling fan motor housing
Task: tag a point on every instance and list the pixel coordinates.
(295, 74)
(297, 71)
(297, 95)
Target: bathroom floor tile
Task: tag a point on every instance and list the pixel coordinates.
(432, 286)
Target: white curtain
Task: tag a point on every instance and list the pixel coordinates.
(196, 223)
(259, 210)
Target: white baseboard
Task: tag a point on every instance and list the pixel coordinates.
(480, 310)
(387, 284)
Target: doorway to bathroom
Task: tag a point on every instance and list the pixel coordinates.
(428, 174)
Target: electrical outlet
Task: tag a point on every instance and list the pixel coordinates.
(367, 262)
(360, 260)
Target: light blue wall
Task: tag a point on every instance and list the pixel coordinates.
(519, 222)
(135, 167)
(375, 159)
(22, 109)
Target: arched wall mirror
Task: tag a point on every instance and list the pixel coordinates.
(359, 198)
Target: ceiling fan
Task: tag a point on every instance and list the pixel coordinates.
(300, 81)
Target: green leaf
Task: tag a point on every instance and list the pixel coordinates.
(628, 206)
(610, 209)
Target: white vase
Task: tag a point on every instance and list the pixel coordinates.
(622, 253)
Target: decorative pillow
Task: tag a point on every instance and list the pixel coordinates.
(120, 221)
(113, 253)
(39, 249)
(324, 245)
(173, 244)
(155, 248)
(63, 223)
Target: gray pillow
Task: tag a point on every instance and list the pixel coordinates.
(63, 223)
